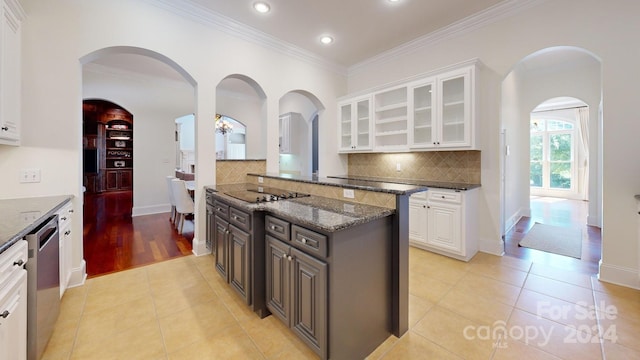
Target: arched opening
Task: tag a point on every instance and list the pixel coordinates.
(156, 91)
(300, 112)
(239, 98)
(558, 73)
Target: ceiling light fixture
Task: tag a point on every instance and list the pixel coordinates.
(261, 7)
(326, 39)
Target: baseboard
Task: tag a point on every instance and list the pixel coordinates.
(618, 275)
(78, 275)
(491, 246)
(199, 247)
(593, 221)
(150, 210)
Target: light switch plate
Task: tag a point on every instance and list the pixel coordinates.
(348, 193)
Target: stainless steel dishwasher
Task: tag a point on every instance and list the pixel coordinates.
(43, 286)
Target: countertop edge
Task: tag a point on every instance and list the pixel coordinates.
(34, 224)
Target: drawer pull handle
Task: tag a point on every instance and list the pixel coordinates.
(70, 210)
(64, 218)
(18, 263)
(443, 197)
(5, 314)
(66, 233)
(5, 128)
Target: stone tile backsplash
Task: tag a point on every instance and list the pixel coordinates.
(235, 171)
(448, 166)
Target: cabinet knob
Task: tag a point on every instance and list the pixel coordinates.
(424, 206)
(63, 218)
(303, 240)
(18, 263)
(70, 210)
(66, 233)
(289, 257)
(5, 128)
(443, 197)
(5, 314)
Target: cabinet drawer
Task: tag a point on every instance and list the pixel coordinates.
(13, 259)
(445, 196)
(308, 240)
(64, 215)
(221, 209)
(420, 196)
(277, 228)
(240, 219)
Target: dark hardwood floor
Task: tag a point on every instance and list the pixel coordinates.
(114, 241)
(561, 212)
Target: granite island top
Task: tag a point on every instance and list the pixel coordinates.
(352, 183)
(17, 216)
(325, 214)
(416, 182)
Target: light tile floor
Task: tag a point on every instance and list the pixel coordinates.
(490, 308)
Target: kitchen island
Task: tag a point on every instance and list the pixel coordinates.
(359, 251)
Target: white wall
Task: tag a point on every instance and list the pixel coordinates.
(59, 36)
(249, 111)
(608, 30)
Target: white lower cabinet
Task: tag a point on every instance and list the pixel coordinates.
(442, 221)
(13, 302)
(65, 225)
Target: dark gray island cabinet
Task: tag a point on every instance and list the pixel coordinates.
(332, 289)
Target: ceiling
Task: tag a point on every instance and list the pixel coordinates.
(361, 28)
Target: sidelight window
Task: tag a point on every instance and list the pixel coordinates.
(552, 154)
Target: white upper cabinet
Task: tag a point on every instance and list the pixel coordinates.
(10, 50)
(391, 130)
(354, 128)
(442, 109)
(432, 112)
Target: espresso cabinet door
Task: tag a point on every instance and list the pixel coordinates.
(309, 300)
(278, 273)
(220, 241)
(239, 251)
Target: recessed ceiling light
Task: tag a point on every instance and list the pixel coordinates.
(394, 1)
(326, 39)
(261, 7)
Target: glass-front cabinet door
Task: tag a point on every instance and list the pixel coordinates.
(355, 125)
(423, 131)
(454, 109)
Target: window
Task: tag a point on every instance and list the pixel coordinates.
(552, 155)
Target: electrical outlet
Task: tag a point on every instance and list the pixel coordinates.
(348, 193)
(398, 167)
(29, 217)
(29, 175)
(260, 180)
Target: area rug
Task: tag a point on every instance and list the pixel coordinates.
(559, 240)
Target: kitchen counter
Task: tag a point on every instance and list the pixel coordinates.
(18, 217)
(352, 183)
(323, 213)
(415, 182)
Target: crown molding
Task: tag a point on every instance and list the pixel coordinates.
(16, 9)
(205, 16)
(502, 10)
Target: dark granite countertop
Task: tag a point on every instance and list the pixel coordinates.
(322, 213)
(352, 183)
(17, 216)
(416, 182)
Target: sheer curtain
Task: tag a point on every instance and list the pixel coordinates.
(582, 114)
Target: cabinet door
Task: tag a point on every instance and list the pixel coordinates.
(13, 327)
(239, 252)
(444, 227)
(309, 301)
(9, 77)
(345, 117)
(454, 109)
(65, 258)
(210, 221)
(221, 231)
(278, 279)
(111, 180)
(424, 125)
(418, 220)
(125, 180)
(362, 121)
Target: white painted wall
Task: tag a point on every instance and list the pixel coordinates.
(606, 29)
(249, 111)
(59, 36)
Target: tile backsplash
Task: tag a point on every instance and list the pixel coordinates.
(447, 166)
(235, 171)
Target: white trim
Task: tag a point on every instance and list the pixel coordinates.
(199, 247)
(151, 209)
(478, 20)
(206, 16)
(491, 246)
(16, 9)
(78, 275)
(619, 275)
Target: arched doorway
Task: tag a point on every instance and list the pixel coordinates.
(546, 74)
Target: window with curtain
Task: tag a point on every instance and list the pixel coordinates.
(552, 154)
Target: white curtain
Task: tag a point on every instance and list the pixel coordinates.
(582, 115)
